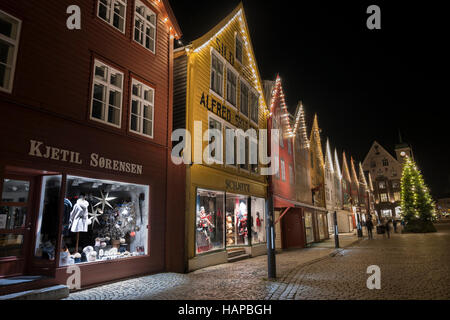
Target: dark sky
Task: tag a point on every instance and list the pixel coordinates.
(364, 85)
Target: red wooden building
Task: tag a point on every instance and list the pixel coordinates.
(85, 142)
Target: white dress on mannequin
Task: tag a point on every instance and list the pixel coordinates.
(79, 217)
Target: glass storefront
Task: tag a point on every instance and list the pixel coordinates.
(209, 221)
(223, 220)
(236, 220)
(103, 220)
(309, 229)
(258, 220)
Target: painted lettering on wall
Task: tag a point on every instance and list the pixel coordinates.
(237, 186)
(216, 107)
(40, 150)
(224, 51)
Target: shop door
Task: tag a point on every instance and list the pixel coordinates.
(15, 224)
(293, 226)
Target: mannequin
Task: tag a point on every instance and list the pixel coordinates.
(79, 220)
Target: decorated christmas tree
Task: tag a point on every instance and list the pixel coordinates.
(417, 205)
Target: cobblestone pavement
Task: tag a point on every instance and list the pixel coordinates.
(412, 267)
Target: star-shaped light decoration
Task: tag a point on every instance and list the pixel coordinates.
(94, 216)
(104, 200)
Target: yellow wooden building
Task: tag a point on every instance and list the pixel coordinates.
(217, 85)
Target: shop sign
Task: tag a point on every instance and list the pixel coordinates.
(222, 111)
(235, 186)
(39, 150)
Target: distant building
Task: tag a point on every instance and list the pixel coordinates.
(386, 173)
(443, 205)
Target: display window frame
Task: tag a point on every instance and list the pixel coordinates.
(249, 222)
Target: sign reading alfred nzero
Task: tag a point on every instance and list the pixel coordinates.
(40, 150)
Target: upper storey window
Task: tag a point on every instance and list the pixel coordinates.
(9, 42)
(107, 93)
(216, 75)
(113, 12)
(145, 26)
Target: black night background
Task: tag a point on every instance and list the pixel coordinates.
(364, 85)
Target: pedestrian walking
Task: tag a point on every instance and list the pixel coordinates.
(394, 223)
(369, 226)
(387, 228)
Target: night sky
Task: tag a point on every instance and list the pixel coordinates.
(364, 85)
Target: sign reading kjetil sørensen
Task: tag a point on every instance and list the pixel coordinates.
(40, 150)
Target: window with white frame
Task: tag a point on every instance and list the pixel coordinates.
(283, 170)
(230, 146)
(244, 99)
(142, 109)
(254, 107)
(144, 26)
(231, 87)
(9, 42)
(239, 49)
(113, 12)
(107, 93)
(216, 74)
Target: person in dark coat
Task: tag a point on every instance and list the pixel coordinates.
(394, 223)
(369, 226)
(387, 228)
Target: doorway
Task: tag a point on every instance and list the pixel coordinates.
(15, 223)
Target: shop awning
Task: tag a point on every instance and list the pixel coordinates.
(279, 202)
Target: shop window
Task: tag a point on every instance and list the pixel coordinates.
(283, 170)
(9, 43)
(254, 107)
(258, 220)
(209, 221)
(309, 227)
(48, 219)
(386, 213)
(244, 99)
(113, 12)
(144, 26)
(104, 220)
(236, 220)
(239, 49)
(142, 109)
(216, 74)
(107, 94)
(231, 87)
(13, 217)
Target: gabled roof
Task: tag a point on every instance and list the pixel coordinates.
(345, 170)
(300, 124)
(381, 149)
(362, 177)
(370, 182)
(354, 175)
(171, 18)
(315, 141)
(238, 14)
(329, 158)
(337, 167)
(278, 96)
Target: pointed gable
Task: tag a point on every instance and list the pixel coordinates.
(370, 183)
(355, 179)
(236, 20)
(377, 150)
(329, 158)
(362, 177)
(337, 167)
(300, 126)
(279, 109)
(316, 144)
(345, 169)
